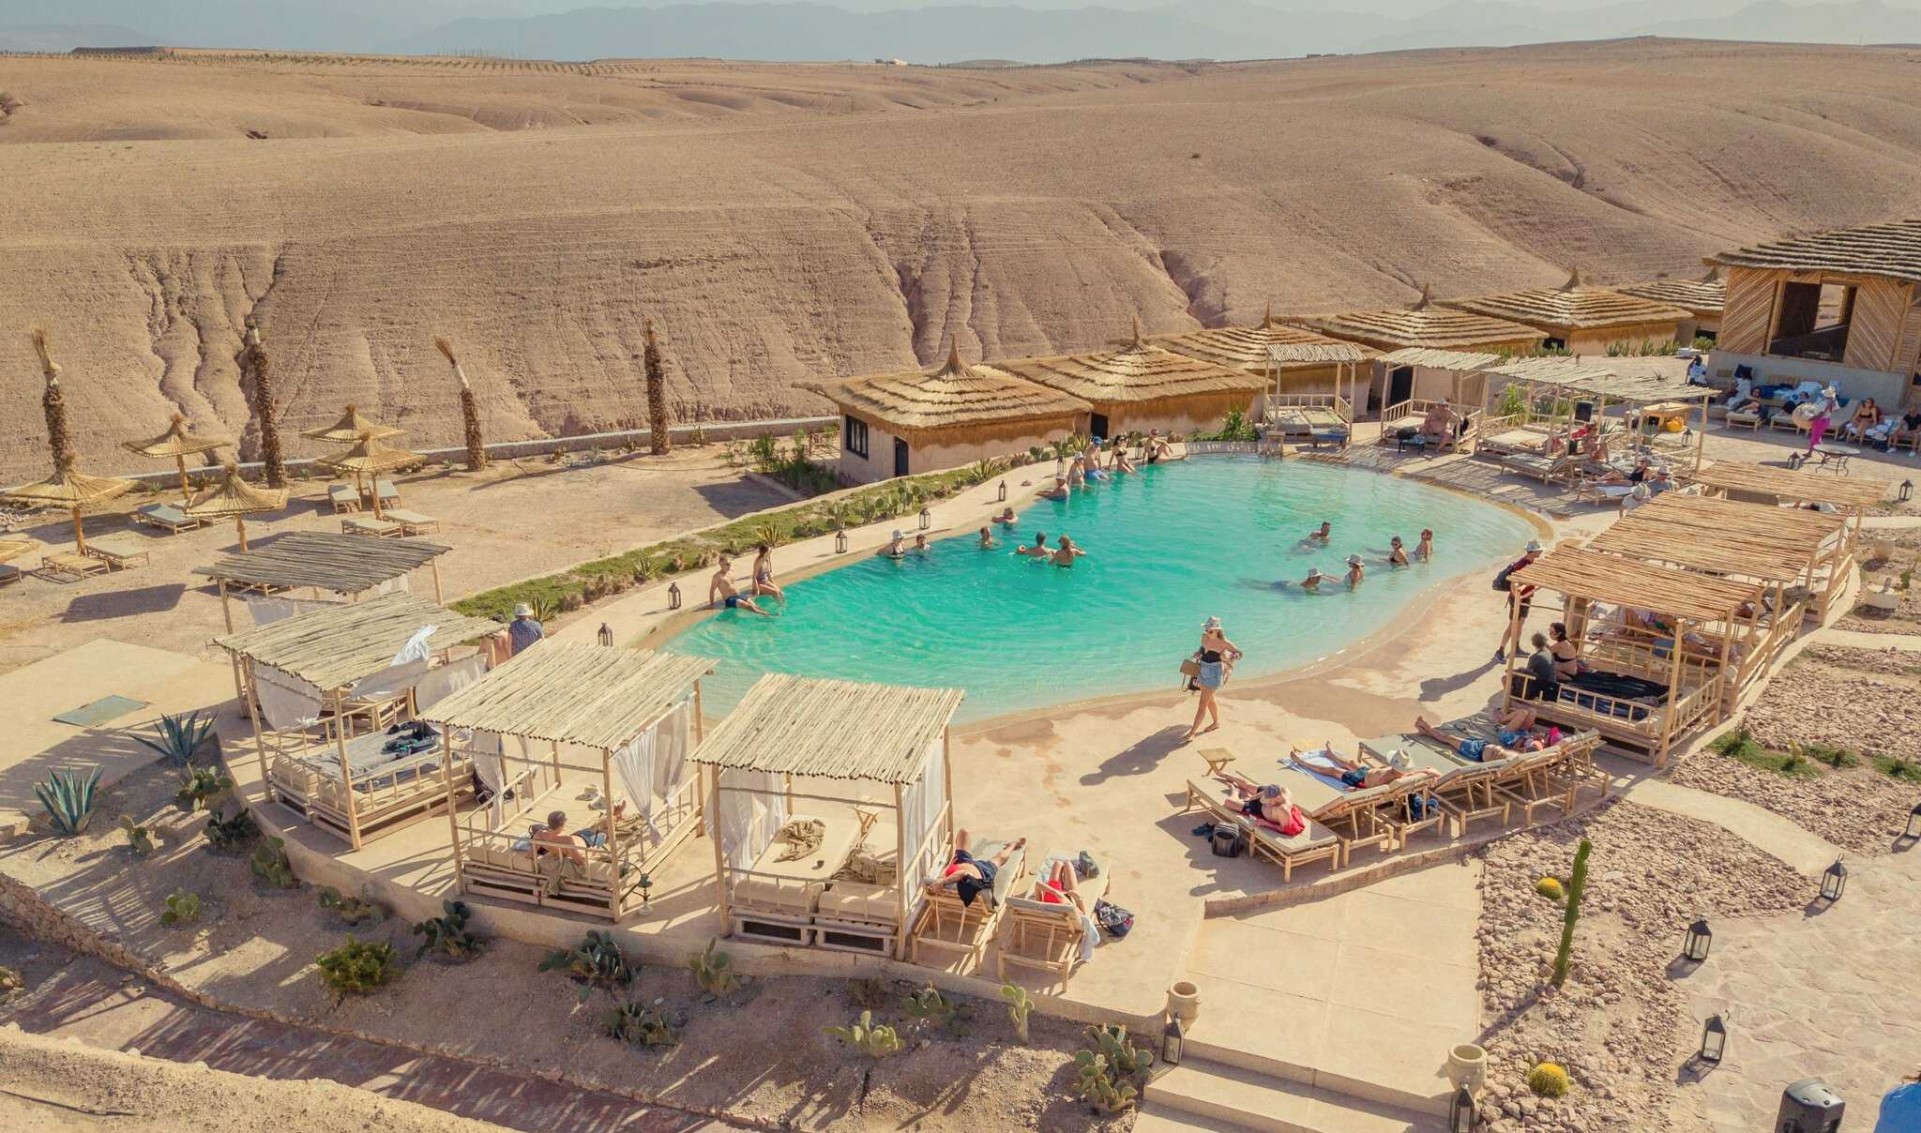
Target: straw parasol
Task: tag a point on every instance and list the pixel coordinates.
(239, 499)
(179, 444)
(353, 427)
(11, 549)
(73, 490)
(370, 458)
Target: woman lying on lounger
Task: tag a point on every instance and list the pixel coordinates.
(969, 875)
(1478, 750)
(1057, 888)
(1355, 775)
(1269, 805)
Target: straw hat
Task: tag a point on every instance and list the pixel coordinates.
(1641, 492)
(1533, 547)
(1211, 623)
(1398, 760)
(1354, 560)
(897, 534)
(523, 610)
(1315, 572)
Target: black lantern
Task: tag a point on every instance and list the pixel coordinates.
(1834, 882)
(1460, 1112)
(1913, 833)
(840, 541)
(1714, 1040)
(926, 519)
(1694, 947)
(606, 634)
(1003, 495)
(673, 595)
(1907, 490)
(1172, 1040)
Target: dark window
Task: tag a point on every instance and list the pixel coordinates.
(1554, 344)
(1814, 321)
(856, 436)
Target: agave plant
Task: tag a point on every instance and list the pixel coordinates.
(178, 737)
(69, 799)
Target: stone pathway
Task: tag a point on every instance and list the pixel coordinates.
(1762, 828)
(1857, 639)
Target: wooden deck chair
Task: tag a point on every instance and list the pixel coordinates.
(368, 525)
(1353, 815)
(1465, 789)
(166, 517)
(389, 495)
(343, 498)
(413, 522)
(1529, 786)
(1315, 844)
(71, 567)
(949, 934)
(1044, 936)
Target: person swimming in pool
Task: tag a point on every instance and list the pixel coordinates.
(1038, 549)
(1424, 550)
(988, 542)
(1309, 585)
(1356, 571)
(1060, 490)
(1320, 536)
(722, 594)
(1357, 776)
(1067, 553)
(1007, 518)
(1396, 554)
(920, 545)
(896, 547)
(1480, 750)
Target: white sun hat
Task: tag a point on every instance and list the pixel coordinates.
(1354, 560)
(1398, 760)
(1533, 546)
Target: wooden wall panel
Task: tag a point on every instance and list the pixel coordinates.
(1880, 307)
(1749, 313)
(1908, 358)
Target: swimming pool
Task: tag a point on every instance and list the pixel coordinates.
(1166, 548)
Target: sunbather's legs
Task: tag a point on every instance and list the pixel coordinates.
(962, 840)
(1247, 787)
(1005, 852)
(1433, 733)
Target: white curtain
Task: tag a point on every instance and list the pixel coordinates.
(634, 765)
(266, 611)
(443, 682)
(285, 700)
(753, 808)
(921, 802)
(416, 648)
(652, 767)
(390, 682)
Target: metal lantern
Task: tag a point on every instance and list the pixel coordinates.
(1907, 490)
(1460, 1112)
(1913, 832)
(1172, 1040)
(840, 542)
(1695, 946)
(1714, 1040)
(1834, 882)
(1003, 493)
(673, 595)
(926, 519)
(606, 634)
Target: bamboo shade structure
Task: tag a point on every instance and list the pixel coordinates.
(1138, 372)
(342, 564)
(1243, 348)
(1704, 297)
(1892, 249)
(1609, 578)
(578, 694)
(1572, 306)
(1786, 484)
(831, 729)
(1438, 359)
(73, 490)
(955, 395)
(351, 428)
(238, 499)
(1637, 381)
(178, 444)
(1642, 536)
(1797, 528)
(1422, 324)
(335, 647)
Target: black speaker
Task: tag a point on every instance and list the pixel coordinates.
(1809, 1106)
(1584, 411)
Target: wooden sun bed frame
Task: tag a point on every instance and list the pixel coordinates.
(777, 907)
(72, 567)
(949, 934)
(166, 518)
(1467, 790)
(413, 522)
(321, 798)
(1039, 936)
(343, 498)
(1316, 843)
(1695, 701)
(119, 559)
(1305, 414)
(370, 526)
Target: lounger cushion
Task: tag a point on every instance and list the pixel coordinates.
(854, 902)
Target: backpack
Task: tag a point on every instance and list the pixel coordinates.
(1228, 841)
(1114, 920)
(1500, 580)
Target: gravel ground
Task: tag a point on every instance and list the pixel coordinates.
(1620, 1024)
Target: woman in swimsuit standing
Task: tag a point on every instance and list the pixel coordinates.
(1216, 657)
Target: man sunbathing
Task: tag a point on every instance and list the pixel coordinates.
(1479, 750)
(969, 875)
(1358, 776)
(1438, 425)
(1271, 806)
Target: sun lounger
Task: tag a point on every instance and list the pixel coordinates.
(1043, 936)
(388, 790)
(120, 552)
(368, 525)
(72, 567)
(1359, 817)
(1316, 843)
(774, 900)
(167, 518)
(413, 522)
(9, 574)
(343, 497)
(389, 495)
(949, 934)
(499, 857)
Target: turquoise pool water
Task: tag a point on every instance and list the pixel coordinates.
(1166, 548)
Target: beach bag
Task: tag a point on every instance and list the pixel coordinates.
(1228, 841)
(1190, 668)
(1116, 921)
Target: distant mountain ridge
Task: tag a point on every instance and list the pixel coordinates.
(1041, 31)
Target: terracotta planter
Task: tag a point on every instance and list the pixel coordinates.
(1184, 1002)
(1467, 1066)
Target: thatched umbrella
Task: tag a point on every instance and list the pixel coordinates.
(371, 458)
(352, 428)
(239, 499)
(73, 490)
(11, 549)
(469, 409)
(179, 444)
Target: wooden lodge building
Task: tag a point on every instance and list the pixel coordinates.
(1582, 319)
(1842, 306)
(1702, 299)
(1426, 326)
(1143, 386)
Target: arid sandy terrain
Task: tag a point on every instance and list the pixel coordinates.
(782, 222)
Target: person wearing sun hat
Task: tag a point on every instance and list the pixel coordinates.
(1824, 407)
(1356, 775)
(1520, 600)
(1208, 669)
(1356, 571)
(524, 630)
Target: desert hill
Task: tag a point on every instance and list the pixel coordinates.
(790, 221)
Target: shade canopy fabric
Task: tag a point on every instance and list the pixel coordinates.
(1799, 487)
(175, 442)
(351, 428)
(1582, 573)
(1640, 381)
(343, 564)
(589, 695)
(337, 646)
(831, 729)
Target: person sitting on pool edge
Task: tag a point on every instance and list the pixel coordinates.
(988, 542)
(1059, 491)
(1424, 550)
(1068, 552)
(1479, 750)
(1271, 806)
(722, 594)
(1037, 549)
(1358, 776)
(1120, 463)
(1396, 553)
(1355, 571)
(971, 876)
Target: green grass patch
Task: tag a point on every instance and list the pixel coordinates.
(1894, 767)
(1835, 757)
(1741, 745)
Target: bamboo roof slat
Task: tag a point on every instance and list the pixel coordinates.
(343, 564)
(1137, 373)
(1655, 540)
(831, 729)
(1701, 296)
(1321, 353)
(1892, 249)
(1439, 359)
(335, 647)
(1572, 306)
(1642, 381)
(953, 396)
(578, 694)
(1246, 348)
(1423, 324)
(1803, 530)
(1803, 487)
(1610, 578)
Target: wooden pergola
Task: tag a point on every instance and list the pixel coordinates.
(1688, 649)
(1466, 394)
(1770, 536)
(1800, 488)
(794, 739)
(629, 718)
(346, 566)
(1632, 384)
(308, 679)
(1296, 409)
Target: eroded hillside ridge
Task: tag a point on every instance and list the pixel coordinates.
(789, 222)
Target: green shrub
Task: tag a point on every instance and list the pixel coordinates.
(1831, 755)
(447, 936)
(1113, 1044)
(231, 832)
(640, 1025)
(1905, 770)
(358, 967)
(201, 786)
(350, 911)
(928, 1005)
(875, 1040)
(182, 907)
(69, 799)
(1235, 427)
(1548, 1080)
(177, 738)
(139, 838)
(269, 863)
(597, 961)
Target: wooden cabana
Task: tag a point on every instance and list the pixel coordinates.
(1422, 377)
(1656, 404)
(1252, 349)
(871, 766)
(1580, 318)
(344, 566)
(1703, 299)
(1143, 386)
(1760, 483)
(1315, 415)
(322, 688)
(1660, 662)
(1424, 324)
(918, 421)
(1822, 542)
(621, 722)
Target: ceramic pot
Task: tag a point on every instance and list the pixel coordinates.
(1184, 1002)
(1467, 1066)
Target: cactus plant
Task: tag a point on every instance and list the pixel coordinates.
(177, 738)
(201, 786)
(357, 967)
(640, 1025)
(714, 970)
(929, 1005)
(1019, 1006)
(1127, 1060)
(69, 799)
(346, 909)
(230, 833)
(139, 839)
(448, 936)
(1577, 882)
(1095, 1082)
(269, 863)
(875, 1040)
(596, 961)
(1548, 1080)
(182, 908)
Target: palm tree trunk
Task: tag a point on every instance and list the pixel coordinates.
(53, 403)
(273, 467)
(469, 410)
(656, 396)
